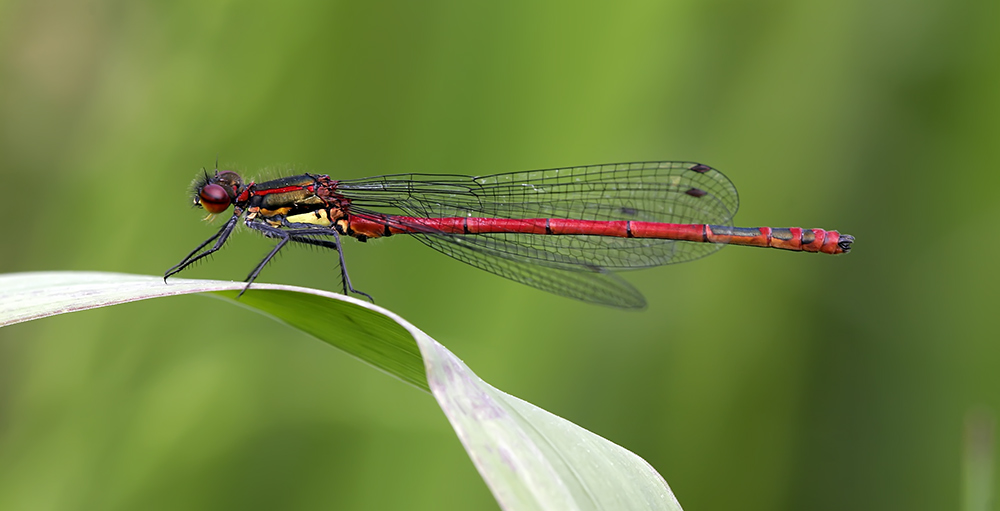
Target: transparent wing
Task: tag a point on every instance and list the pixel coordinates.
(667, 192)
(589, 284)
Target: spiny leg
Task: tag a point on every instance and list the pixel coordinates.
(270, 232)
(293, 232)
(345, 279)
(299, 231)
(190, 259)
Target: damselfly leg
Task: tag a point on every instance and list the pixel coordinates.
(345, 279)
(194, 256)
(302, 235)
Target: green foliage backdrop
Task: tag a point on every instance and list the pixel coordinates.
(755, 380)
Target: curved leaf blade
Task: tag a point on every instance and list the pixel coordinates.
(529, 458)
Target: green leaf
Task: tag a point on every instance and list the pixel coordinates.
(528, 457)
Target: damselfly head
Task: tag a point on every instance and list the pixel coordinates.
(216, 193)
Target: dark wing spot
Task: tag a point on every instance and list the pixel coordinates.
(698, 167)
(696, 192)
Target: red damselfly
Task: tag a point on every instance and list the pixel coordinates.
(562, 230)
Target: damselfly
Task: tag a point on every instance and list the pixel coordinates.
(561, 230)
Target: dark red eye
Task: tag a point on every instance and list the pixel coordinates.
(213, 198)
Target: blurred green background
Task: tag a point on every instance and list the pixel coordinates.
(756, 379)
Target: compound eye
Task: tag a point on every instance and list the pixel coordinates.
(213, 198)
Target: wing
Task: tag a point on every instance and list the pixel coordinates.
(593, 285)
(575, 266)
(668, 192)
